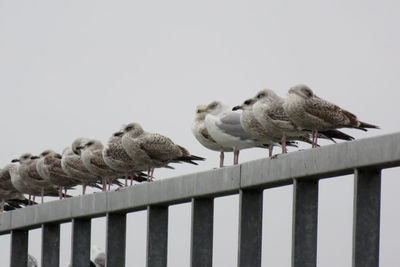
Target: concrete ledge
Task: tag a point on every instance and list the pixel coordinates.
(323, 162)
(328, 161)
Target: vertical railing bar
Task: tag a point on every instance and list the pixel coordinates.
(201, 242)
(19, 248)
(157, 236)
(116, 240)
(304, 223)
(50, 245)
(366, 217)
(250, 228)
(80, 252)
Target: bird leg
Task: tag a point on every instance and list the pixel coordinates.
(104, 184)
(29, 200)
(41, 194)
(2, 205)
(151, 174)
(60, 192)
(221, 159)
(236, 157)
(109, 184)
(270, 150)
(284, 143)
(148, 175)
(314, 139)
(83, 189)
(65, 192)
(132, 176)
(126, 180)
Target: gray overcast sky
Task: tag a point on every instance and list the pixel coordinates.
(83, 68)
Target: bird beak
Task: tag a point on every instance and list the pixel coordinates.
(118, 134)
(201, 110)
(15, 160)
(237, 107)
(34, 157)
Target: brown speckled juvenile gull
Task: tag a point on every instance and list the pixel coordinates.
(152, 150)
(308, 111)
(115, 156)
(8, 193)
(49, 168)
(269, 112)
(202, 135)
(225, 128)
(92, 158)
(26, 174)
(72, 164)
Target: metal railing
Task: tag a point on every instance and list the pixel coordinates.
(365, 158)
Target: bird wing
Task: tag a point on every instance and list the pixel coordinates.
(117, 152)
(278, 113)
(230, 124)
(54, 165)
(159, 147)
(99, 163)
(329, 112)
(206, 135)
(32, 172)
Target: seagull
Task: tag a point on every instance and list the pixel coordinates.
(27, 174)
(308, 111)
(32, 262)
(269, 112)
(152, 150)
(92, 158)
(115, 157)
(251, 125)
(224, 127)
(8, 193)
(49, 168)
(72, 165)
(202, 135)
(98, 257)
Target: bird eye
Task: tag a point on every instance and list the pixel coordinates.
(128, 128)
(25, 157)
(260, 95)
(89, 144)
(308, 92)
(247, 102)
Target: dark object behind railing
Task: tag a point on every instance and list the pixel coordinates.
(365, 158)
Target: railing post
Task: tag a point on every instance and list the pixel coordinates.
(201, 246)
(304, 225)
(157, 236)
(250, 228)
(116, 240)
(50, 245)
(19, 248)
(366, 217)
(80, 242)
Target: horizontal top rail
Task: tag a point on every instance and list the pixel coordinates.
(323, 162)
